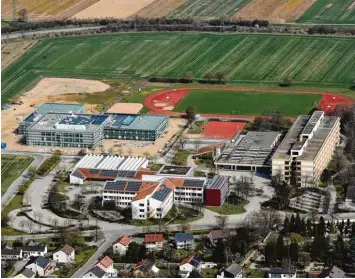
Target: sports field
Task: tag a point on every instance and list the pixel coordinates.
(244, 57)
(11, 168)
(247, 103)
(207, 9)
(330, 11)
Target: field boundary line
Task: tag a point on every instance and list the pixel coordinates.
(198, 58)
(27, 62)
(319, 62)
(176, 61)
(272, 58)
(128, 55)
(296, 61)
(64, 55)
(249, 57)
(14, 82)
(158, 56)
(226, 55)
(96, 54)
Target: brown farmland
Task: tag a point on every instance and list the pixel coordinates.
(159, 8)
(45, 9)
(274, 10)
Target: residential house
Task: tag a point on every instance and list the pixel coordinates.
(40, 265)
(334, 272)
(188, 265)
(34, 251)
(184, 241)
(26, 273)
(7, 245)
(232, 271)
(64, 255)
(11, 254)
(120, 246)
(106, 264)
(96, 272)
(216, 235)
(145, 268)
(154, 241)
(278, 272)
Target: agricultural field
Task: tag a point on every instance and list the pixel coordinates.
(308, 60)
(45, 9)
(159, 8)
(247, 103)
(208, 9)
(112, 8)
(11, 168)
(330, 11)
(274, 10)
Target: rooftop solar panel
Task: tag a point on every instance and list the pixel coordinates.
(94, 171)
(109, 173)
(162, 194)
(133, 185)
(115, 185)
(194, 183)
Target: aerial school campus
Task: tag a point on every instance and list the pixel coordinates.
(175, 138)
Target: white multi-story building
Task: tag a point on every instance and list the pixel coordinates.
(153, 197)
(307, 149)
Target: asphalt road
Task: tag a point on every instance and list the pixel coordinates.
(50, 31)
(11, 191)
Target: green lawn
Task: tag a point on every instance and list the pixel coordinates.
(246, 58)
(253, 273)
(248, 103)
(12, 166)
(197, 127)
(180, 158)
(229, 208)
(330, 11)
(207, 9)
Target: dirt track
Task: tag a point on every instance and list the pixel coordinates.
(274, 10)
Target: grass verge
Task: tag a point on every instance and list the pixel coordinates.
(229, 208)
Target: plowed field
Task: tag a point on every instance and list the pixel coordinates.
(274, 10)
(45, 9)
(159, 8)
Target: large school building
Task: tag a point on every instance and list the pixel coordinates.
(67, 125)
(307, 148)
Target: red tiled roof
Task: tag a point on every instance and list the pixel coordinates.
(106, 261)
(146, 189)
(143, 171)
(152, 238)
(96, 176)
(67, 249)
(124, 240)
(179, 182)
(186, 260)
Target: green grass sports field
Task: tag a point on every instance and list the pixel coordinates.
(308, 60)
(207, 9)
(247, 103)
(11, 168)
(330, 11)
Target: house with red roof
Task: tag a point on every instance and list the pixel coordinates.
(154, 241)
(120, 246)
(106, 264)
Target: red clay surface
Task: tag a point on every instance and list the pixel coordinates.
(163, 101)
(222, 130)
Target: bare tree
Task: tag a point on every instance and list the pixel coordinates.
(196, 147)
(26, 200)
(55, 222)
(22, 224)
(222, 221)
(287, 264)
(182, 141)
(30, 225)
(262, 221)
(11, 219)
(147, 155)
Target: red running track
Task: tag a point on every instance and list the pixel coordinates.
(169, 98)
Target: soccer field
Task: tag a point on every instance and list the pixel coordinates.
(330, 11)
(11, 168)
(244, 57)
(247, 103)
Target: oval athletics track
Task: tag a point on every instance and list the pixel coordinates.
(163, 102)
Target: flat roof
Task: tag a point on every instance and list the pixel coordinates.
(136, 122)
(59, 107)
(50, 120)
(177, 170)
(305, 124)
(253, 149)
